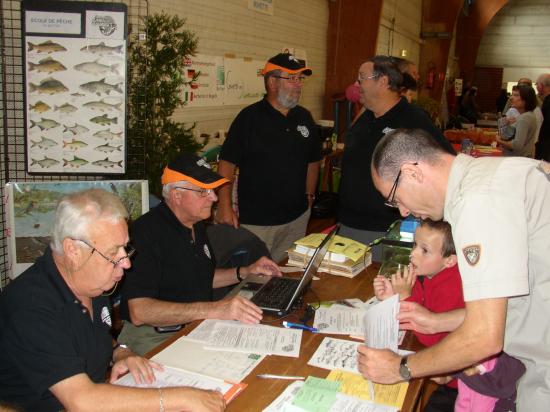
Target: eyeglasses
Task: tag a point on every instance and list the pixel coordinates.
(361, 77)
(293, 79)
(201, 192)
(390, 201)
(129, 253)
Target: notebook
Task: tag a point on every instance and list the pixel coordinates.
(278, 294)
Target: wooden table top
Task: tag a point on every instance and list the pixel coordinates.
(261, 392)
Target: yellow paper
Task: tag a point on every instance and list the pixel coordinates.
(340, 245)
(354, 384)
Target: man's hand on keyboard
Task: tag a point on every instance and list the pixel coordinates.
(236, 308)
(263, 266)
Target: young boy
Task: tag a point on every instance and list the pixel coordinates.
(433, 260)
(433, 280)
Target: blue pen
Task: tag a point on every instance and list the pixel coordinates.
(299, 326)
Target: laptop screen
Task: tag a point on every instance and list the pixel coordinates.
(314, 264)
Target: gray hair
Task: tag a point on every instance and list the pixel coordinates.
(169, 186)
(272, 73)
(77, 212)
(388, 66)
(401, 146)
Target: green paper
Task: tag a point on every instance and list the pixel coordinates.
(317, 395)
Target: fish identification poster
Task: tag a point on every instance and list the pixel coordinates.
(74, 57)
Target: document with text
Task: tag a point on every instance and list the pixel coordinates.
(192, 356)
(381, 324)
(171, 377)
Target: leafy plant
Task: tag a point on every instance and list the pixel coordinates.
(155, 81)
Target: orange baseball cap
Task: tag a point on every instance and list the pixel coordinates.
(288, 63)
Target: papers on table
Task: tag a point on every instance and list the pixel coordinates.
(192, 356)
(238, 337)
(381, 324)
(336, 354)
(171, 377)
(355, 385)
(339, 320)
(341, 403)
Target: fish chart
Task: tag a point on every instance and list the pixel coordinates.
(75, 87)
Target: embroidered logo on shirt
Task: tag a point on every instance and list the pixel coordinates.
(207, 252)
(106, 316)
(472, 254)
(304, 130)
(387, 130)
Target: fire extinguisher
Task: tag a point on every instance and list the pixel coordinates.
(430, 78)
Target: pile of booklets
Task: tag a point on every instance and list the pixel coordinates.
(345, 257)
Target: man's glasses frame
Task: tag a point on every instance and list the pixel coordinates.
(390, 200)
(293, 79)
(201, 192)
(361, 77)
(130, 250)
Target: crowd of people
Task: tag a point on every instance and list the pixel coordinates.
(475, 292)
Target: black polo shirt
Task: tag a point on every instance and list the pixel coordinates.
(361, 205)
(272, 152)
(46, 336)
(169, 265)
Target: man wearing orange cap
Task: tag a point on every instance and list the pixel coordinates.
(276, 146)
(173, 274)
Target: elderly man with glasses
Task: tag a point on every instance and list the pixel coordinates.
(276, 146)
(55, 341)
(174, 271)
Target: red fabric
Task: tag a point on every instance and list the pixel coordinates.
(441, 293)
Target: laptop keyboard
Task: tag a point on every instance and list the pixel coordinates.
(276, 293)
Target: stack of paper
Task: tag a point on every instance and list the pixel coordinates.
(345, 257)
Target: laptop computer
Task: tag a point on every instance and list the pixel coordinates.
(278, 294)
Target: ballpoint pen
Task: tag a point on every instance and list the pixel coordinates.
(346, 303)
(287, 377)
(299, 326)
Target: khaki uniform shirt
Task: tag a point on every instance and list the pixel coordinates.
(499, 210)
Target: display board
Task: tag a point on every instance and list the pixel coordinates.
(75, 87)
(30, 208)
(223, 81)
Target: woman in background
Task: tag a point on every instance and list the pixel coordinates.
(524, 100)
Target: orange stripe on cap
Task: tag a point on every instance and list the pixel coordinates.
(269, 67)
(171, 176)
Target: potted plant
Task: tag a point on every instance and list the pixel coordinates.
(155, 80)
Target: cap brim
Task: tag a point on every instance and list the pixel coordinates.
(208, 179)
(269, 67)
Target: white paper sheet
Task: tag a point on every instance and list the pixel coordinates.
(191, 356)
(175, 377)
(336, 354)
(261, 339)
(339, 320)
(381, 324)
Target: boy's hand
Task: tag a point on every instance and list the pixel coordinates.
(382, 288)
(403, 282)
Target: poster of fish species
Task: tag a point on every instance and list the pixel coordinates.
(75, 87)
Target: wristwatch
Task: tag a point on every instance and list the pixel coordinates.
(404, 369)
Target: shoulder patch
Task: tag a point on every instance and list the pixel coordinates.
(544, 167)
(472, 253)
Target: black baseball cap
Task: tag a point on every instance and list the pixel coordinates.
(194, 169)
(288, 63)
